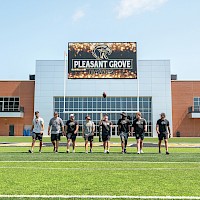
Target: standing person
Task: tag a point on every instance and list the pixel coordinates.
(37, 131)
(139, 126)
(123, 130)
(106, 127)
(88, 133)
(71, 129)
(55, 124)
(163, 130)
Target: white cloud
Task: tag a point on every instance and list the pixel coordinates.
(79, 14)
(127, 8)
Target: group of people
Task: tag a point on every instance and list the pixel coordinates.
(126, 128)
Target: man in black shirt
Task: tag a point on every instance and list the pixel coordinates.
(123, 130)
(106, 128)
(71, 129)
(163, 130)
(139, 126)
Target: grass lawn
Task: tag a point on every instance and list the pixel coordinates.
(114, 174)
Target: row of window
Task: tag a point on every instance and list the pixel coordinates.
(9, 104)
(92, 106)
(197, 104)
(132, 99)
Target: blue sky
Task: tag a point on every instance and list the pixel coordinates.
(41, 29)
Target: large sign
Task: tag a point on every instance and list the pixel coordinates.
(102, 60)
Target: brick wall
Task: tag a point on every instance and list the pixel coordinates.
(25, 90)
(183, 93)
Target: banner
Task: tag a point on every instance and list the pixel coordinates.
(102, 60)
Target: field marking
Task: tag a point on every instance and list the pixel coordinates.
(98, 197)
(97, 161)
(97, 169)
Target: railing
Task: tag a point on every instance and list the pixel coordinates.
(18, 109)
(194, 109)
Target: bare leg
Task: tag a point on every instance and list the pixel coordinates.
(57, 144)
(40, 146)
(104, 146)
(122, 144)
(159, 145)
(90, 146)
(54, 145)
(86, 146)
(108, 145)
(73, 144)
(141, 144)
(68, 144)
(166, 145)
(138, 145)
(33, 144)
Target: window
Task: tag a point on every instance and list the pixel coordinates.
(81, 106)
(197, 104)
(9, 104)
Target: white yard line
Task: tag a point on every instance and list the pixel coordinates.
(98, 197)
(92, 161)
(97, 169)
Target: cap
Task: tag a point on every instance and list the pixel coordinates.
(36, 112)
(71, 115)
(123, 114)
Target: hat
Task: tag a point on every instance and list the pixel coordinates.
(87, 116)
(71, 115)
(123, 114)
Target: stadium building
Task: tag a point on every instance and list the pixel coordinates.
(76, 86)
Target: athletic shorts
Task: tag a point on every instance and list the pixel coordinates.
(105, 137)
(71, 136)
(139, 136)
(123, 136)
(89, 138)
(55, 137)
(37, 136)
(163, 135)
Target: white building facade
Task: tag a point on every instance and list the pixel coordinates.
(84, 96)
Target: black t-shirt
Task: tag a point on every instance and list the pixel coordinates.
(163, 124)
(139, 125)
(106, 126)
(71, 126)
(123, 125)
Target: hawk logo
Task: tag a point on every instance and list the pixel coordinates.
(100, 52)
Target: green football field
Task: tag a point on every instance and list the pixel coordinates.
(98, 175)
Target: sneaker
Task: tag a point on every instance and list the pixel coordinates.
(56, 151)
(30, 151)
(86, 152)
(122, 152)
(138, 152)
(105, 151)
(67, 151)
(73, 151)
(90, 150)
(125, 151)
(167, 152)
(141, 151)
(40, 151)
